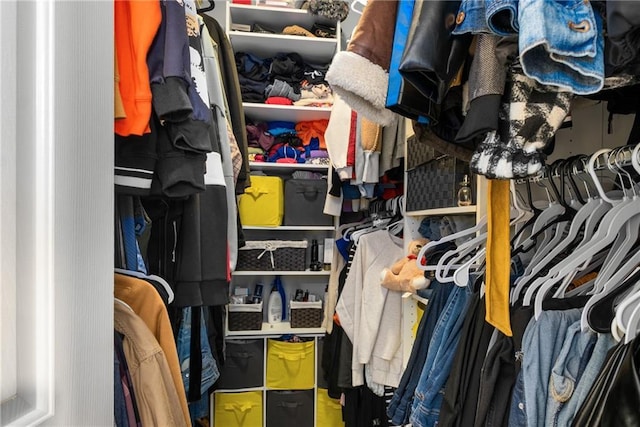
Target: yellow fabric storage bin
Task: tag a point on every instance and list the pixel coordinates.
(329, 411)
(290, 366)
(262, 204)
(238, 409)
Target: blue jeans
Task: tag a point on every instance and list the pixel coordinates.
(604, 343)
(561, 44)
(210, 372)
(567, 370)
(398, 409)
(425, 409)
(541, 346)
(518, 409)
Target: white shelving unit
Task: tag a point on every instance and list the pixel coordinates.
(315, 52)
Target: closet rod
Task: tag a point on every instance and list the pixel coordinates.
(620, 155)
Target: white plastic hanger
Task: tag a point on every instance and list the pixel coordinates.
(462, 274)
(627, 306)
(612, 222)
(452, 259)
(478, 227)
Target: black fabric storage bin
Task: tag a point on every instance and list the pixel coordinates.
(272, 255)
(304, 202)
(243, 365)
(290, 408)
(433, 179)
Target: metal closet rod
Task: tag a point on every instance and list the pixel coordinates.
(622, 158)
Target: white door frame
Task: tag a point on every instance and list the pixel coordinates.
(56, 212)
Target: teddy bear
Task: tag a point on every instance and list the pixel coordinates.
(405, 275)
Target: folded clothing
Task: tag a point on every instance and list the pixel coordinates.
(297, 30)
(279, 127)
(258, 135)
(278, 100)
(282, 89)
(319, 154)
(307, 130)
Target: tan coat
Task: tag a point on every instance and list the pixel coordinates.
(143, 298)
(153, 385)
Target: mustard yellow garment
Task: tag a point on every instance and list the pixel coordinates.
(498, 257)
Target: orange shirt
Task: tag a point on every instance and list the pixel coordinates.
(136, 24)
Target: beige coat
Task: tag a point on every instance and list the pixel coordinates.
(143, 298)
(153, 385)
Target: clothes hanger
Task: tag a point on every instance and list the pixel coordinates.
(433, 244)
(625, 308)
(552, 276)
(452, 259)
(632, 325)
(463, 273)
(618, 282)
(516, 239)
(212, 5)
(165, 285)
(556, 214)
(522, 214)
(543, 221)
(557, 247)
(602, 303)
(626, 239)
(613, 222)
(554, 230)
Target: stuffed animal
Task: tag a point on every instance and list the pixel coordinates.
(405, 275)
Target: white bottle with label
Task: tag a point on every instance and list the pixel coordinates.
(274, 309)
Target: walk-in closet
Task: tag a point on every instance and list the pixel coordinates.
(320, 213)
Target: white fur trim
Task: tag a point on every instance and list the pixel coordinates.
(361, 84)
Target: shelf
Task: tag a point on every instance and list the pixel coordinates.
(275, 17)
(239, 390)
(281, 273)
(292, 113)
(277, 329)
(455, 210)
(291, 228)
(287, 166)
(314, 50)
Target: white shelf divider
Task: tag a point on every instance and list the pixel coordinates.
(291, 228)
(272, 166)
(277, 329)
(455, 210)
(281, 273)
(293, 113)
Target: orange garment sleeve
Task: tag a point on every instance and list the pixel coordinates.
(136, 24)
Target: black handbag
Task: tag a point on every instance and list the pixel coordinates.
(433, 55)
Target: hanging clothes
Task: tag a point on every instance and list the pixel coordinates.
(156, 394)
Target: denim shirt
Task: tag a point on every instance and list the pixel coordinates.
(425, 409)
